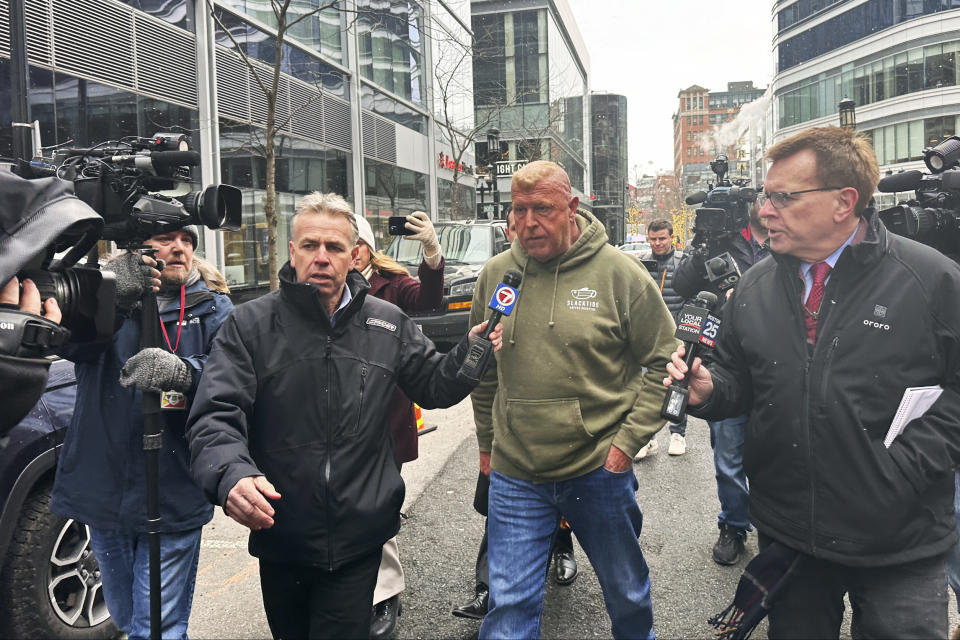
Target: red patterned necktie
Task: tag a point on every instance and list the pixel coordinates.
(820, 271)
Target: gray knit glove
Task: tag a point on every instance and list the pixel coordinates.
(156, 370)
(132, 278)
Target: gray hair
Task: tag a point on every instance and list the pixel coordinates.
(330, 204)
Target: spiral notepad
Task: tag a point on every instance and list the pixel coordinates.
(915, 402)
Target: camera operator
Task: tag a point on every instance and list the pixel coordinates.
(820, 343)
(726, 436)
(100, 478)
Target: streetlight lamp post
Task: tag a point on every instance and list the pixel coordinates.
(493, 154)
(482, 188)
(848, 113)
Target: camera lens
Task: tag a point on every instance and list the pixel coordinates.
(63, 287)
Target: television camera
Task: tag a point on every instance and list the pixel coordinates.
(138, 187)
(933, 215)
(726, 212)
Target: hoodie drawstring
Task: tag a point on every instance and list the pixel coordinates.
(553, 303)
(516, 318)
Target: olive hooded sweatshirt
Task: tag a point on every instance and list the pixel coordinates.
(583, 360)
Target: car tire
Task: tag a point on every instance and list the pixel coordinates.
(50, 586)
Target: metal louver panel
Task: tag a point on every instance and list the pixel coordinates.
(336, 123)
(232, 86)
(258, 100)
(368, 134)
(39, 41)
(4, 28)
(386, 140)
(176, 78)
(283, 105)
(379, 138)
(94, 39)
(306, 106)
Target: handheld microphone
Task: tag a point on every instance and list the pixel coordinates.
(696, 326)
(904, 181)
(481, 349)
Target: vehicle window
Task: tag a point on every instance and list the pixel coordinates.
(470, 245)
(460, 244)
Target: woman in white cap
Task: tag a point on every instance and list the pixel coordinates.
(390, 281)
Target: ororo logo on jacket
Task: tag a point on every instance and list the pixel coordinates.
(583, 299)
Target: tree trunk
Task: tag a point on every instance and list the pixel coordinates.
(270, 204)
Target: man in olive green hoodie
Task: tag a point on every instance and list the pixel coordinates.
(575, 394)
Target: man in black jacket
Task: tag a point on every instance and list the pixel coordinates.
(820, 344)
(289, 431)
(668, 258)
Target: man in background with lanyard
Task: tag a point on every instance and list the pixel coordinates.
(660, 237)
(100, 478)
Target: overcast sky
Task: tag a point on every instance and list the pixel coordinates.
(648, 50)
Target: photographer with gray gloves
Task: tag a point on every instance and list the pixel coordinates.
(100, 478)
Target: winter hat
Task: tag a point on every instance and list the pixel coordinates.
(191, 229)
(366, 233)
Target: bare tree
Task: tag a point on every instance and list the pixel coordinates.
(287, 14)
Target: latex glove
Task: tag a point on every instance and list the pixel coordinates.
(156, 370)
(423, 230)
(133, 273)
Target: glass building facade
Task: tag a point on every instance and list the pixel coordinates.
(610, 168)
(911, 71)
(531, 82)
(903, 79)
(852, 24)
(353, 112)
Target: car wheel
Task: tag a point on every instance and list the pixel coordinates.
(50, 586)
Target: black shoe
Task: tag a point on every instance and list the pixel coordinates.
(565, 569)
(477, 608)
(729, 545)
(383, 624)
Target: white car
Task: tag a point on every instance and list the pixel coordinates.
(637, 249)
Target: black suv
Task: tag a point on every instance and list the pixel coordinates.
(466, 245)
(50, 584)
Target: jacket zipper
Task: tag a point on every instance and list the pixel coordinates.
(363, 382)
(326, 467)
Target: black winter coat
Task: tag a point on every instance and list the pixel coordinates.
(821, 480)
(666, 269)
(286, 395)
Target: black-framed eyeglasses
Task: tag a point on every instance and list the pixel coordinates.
(780, 199)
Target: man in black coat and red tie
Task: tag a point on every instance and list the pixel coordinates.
(819, 343)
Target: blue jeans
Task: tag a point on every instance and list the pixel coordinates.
(679, 427)
(124, 560)
(522, 522)
(953, 557)
(726, 438)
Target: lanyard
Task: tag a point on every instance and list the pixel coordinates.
(664, 278)
(183, 300)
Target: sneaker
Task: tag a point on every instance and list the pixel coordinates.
(729, 545)
(650, 447)
(678, 445)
